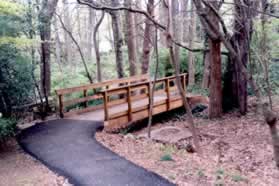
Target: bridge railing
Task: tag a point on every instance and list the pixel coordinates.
(163, 87)
(91, 92)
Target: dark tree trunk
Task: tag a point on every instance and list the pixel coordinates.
(241, 42)
(215, 88)
(118, 40)
(215, 108)
(45, 16)
(147, 38)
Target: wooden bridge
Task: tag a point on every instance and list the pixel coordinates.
(120, 102)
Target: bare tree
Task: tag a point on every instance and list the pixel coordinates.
(45, 15)
(147, 40)
(91, 25)
(67, 39)
(185, 15)
(78, 47)
(118, 40)
(191, 36)
(131, 39)
(175, 64)
(96, 47)
(264, 54)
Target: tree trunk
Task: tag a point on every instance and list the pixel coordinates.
(67, 40)
(241, 42)
(58, 45)
(147, 38)
(138, 20)
(177, 27)
(45, 16)
(118, 40)
(185, 15)
(96, 47)
(191, 57)
(91, 25)
(215, 107)
(131, 40)
(163, 13)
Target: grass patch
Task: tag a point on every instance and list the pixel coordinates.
(166, 157)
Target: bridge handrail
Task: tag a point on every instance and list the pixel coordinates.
(84, 88)
(127, 90)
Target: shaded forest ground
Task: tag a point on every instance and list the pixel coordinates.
(237, 151)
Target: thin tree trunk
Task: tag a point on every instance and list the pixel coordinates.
(58, 45)
(96, 47)
(118, 40)
(191, 57)
(264, 50)
(151, 97)
(131, 40)
(185, 14)
(177, 27)
(79, 49)
(91, 25)
(175, 64)
(163, 12)
(45, 15)
(147, 42)
(67, 39)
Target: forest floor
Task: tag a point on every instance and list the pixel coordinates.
(18, 168)
(237, 150)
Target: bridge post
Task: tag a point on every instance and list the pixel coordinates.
(105, 98)
(61, 107)
(167, 87)
(129, 100)
(85, 95)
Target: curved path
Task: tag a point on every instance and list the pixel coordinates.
(70, 148)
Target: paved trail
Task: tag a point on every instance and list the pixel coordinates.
(69, 148)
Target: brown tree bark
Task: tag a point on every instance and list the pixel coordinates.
(45, 15)
(163, 13)
(67, 39)
(191, 57)
(206, 68)
(96, 47)
(177, 27)
(185, 15)
(215, 107)
(118, 40)
(175, 64)
(147, 42)
(90, 28)
(240, 41)
(131, 39)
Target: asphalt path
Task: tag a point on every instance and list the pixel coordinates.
(69, 148)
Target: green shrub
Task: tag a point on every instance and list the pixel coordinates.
(166, 157)
(7, 128)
